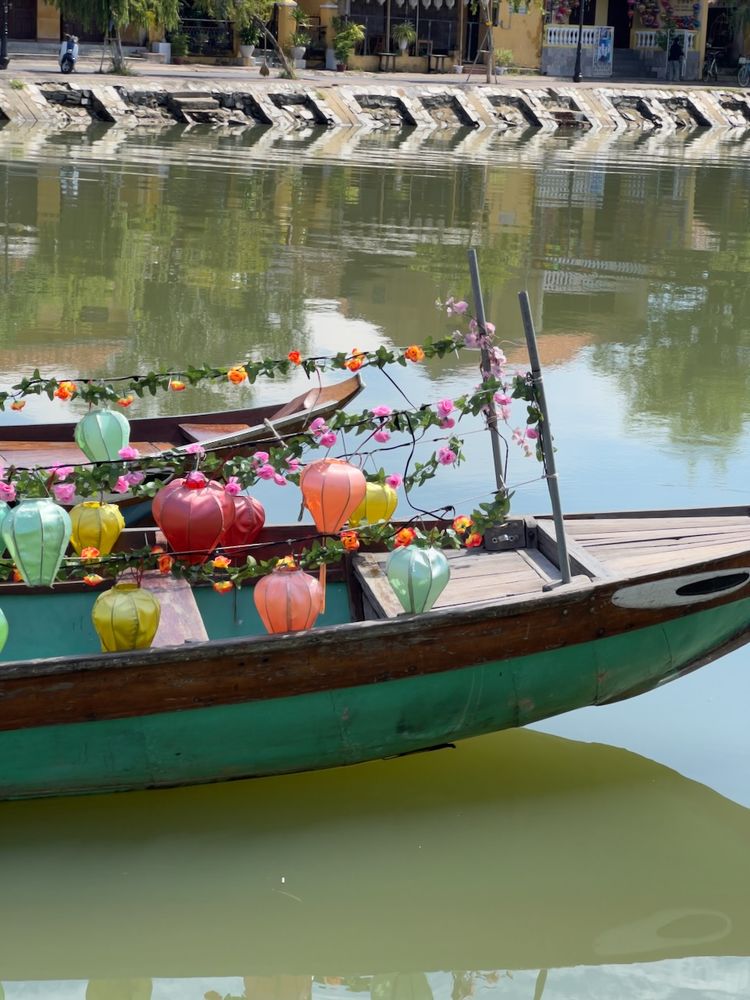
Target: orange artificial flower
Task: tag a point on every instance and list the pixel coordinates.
(462, 523)
(18, 404)
(65, 390)
(295, 357)
(90, 553)
(92, 579)
(350, 540)
(404, 537)
(473, 540)
(222, 586)
(156, 549)
(165, 563)
(16, 576)
(286, 562)
(221, 562)
(356, 361)
(175, 385)
(237, 375)
(414, 353)
(125, 401)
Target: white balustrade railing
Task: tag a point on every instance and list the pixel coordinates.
(649, 39)
(567, 35)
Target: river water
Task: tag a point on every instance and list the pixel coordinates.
(600, 855)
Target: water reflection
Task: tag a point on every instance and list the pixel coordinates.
(521, 851)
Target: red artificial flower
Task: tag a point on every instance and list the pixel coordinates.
(18, 404)
(92, 579)
(237, 375)
(404, 537)
(125, 401)
(175, 385)
(414, 353)
(222, 586)
(165, 563)
(473, 540)
(350, 540)
(295, 357)
(356, 361)
(90, 553)
(65, 390)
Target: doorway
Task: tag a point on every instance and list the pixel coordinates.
(619, 19)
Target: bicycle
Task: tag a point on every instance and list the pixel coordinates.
(710, 65)
(743, 73)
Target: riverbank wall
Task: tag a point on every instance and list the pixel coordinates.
(289, 105)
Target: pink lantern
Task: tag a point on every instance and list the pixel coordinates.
(193, 513)
(288, 600)
(249, 518)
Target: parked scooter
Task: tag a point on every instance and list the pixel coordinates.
(68, 54)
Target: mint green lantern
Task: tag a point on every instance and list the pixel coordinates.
(4, 511)
(100, 435)
(37, 533)
(418, 576)
(3, 631)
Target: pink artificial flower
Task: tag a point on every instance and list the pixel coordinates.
(531, 433)
(328, 440)
(195, 449)
(64, 492)
(232, 486)
(460, 307)
(444, 407)
(503, 399)
(394, 480)
(446, 456)
(266, 471)
(448, 423)
(128, 452)
(293, 464)
(518, 435)
(318, 426)
(382, 435)
(134, 478)
(490, 328)
(63, 471)
(122, 485)
(381, 411)
(279, 479)
(7, 492)
(505, 413)
(261, 457)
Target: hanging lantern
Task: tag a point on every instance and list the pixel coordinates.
(125, 617)
(378, 505)
(37, 533)
(193, 513)
(331, 490)
(101, 434)
(249, 518)
(4, 511)
(3, 631)
(418, 576)
(96, 524)
(288, 600)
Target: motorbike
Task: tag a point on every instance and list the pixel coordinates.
(68, 54)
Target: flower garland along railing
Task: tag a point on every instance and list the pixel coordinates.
(144, 477)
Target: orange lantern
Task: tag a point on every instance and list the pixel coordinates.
(332, 489)
(193, 513)
(288, 600)
(249, 518)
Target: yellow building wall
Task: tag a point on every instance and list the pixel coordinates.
(47, 22)
(521, 33)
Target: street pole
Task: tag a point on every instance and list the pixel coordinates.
(4, 60)
(577, 70)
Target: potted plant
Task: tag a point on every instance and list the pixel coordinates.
(404, 35)
(299, 42)
(503, 60)
(249, 38)
(179, 43)
(347, 36)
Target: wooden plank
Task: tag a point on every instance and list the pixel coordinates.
(181, 620)
(581, 560)
(636, 562)
(542, 566)
(22, 454)
(207, 432)
(607, 525)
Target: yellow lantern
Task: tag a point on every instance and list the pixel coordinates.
(125, 617)
(378, 505)
(96, 524)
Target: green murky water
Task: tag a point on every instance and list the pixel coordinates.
(602, 856)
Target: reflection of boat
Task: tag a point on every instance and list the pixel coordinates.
(24, 445)
(517, 851)
(506, 645)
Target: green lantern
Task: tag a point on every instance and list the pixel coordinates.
(418, 576)
(37, 533)
(4, 511)
(3, 631)
(100, 435)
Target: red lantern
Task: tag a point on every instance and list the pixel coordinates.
(288, 600)
(332, 489)
(249, 518)
(193, 513)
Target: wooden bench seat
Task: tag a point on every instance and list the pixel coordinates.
(180, 620)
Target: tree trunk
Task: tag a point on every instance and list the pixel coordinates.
(118, 59)
(486, 13)
(288, 68)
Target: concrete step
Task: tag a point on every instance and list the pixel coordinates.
(195, 103)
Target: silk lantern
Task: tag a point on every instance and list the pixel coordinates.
(101, 434)
(3, 631)
(193, 513)
(4, 511)
(37, 533)
(417, 576)
(378, 505)
(125, 617)
(96, 524)
(288, 600)
(249, 518)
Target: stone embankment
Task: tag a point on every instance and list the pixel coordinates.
(288, 105)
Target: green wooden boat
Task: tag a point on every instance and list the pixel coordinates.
(653, 595)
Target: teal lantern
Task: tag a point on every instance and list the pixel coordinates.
(3, 631)
(37, 533)
(418, 576)
(101, 434)
(4, 511)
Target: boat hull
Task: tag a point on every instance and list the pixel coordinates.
(347, 725)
